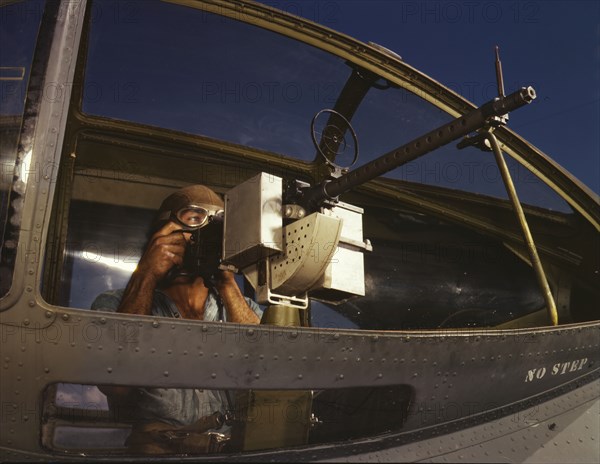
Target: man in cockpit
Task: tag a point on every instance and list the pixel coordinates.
(169, 282)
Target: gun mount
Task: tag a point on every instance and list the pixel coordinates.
(303, 240)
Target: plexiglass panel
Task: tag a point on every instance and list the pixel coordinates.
(106, 419)
(19, 25)
(232, 81)
(185, 69)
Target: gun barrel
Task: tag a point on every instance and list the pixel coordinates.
(441, 136)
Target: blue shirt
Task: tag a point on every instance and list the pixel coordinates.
(176, 406)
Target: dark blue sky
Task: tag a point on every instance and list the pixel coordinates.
(553, 45)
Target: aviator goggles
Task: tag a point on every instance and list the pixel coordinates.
(195, 216)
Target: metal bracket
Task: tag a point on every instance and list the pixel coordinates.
(527, 237)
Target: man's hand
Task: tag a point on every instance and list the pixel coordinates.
(165, 251)
(225, 279)
(235, 304)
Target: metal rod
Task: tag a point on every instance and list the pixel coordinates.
(499, 78)
(527, 237)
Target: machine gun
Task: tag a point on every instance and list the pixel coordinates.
(292, 240)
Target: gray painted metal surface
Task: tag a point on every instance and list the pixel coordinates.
(566, 429)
